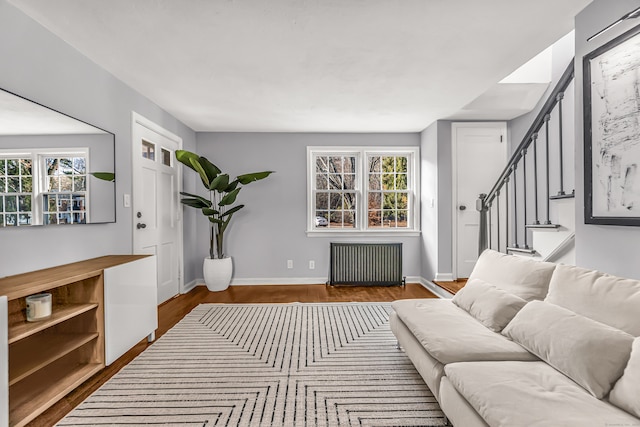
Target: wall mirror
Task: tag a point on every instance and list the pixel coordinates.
(54, 169)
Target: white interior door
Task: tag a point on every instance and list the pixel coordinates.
(479, 156)
(157, 225)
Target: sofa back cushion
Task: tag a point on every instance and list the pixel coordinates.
(591, 353)
(611, 300)
(523, 277)
(491, 306)
(626, 392)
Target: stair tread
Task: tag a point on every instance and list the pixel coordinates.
(559, 196)
(521, 250)
(542, 225)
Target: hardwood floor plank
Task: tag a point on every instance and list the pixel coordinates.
(172, 311)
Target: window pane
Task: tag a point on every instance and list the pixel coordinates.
(66, 183)
(402, 200)
(11, 219)
(53, 183)
(78, 202)
(349, 181)
(27, 184)
(322, 201)
(388, 218)
(1, 220)
(51, 219)
(389, 201)
(374, 182)
(12, 167)
(11, 203)
(53, 206)
(1, 204)
(148, 150)
(24, 219)
(80, 183)
(51, 165)
(374, 164)
(321, 182)
(374, 217)
(349, 219)
(401, 164)
(335, 182)
(321, 219)
(401, 181)
(3, 183)
(80, 165)
(79, 218)
(24, 203)
(375, 201)
(65, 167)
(349, 201)
(335, 164)
(335, 201)
(64, 203)
(322, 164)
(335, 219)
(388, 180)
(166, 157)
(2, 168)
(25, 167)
(388, 164)
(402, 218)
(13, 185)
(349, 164)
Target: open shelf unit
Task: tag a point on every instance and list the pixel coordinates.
(51, 357)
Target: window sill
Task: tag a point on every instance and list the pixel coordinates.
(360, 233)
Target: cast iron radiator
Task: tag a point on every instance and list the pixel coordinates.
(366, 264)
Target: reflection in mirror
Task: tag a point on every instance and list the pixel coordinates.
(54, 169)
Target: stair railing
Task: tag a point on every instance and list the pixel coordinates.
(507, 213)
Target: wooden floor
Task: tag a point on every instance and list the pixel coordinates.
(452, 287)
(173, 310)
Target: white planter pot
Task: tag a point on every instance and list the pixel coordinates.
(217, 273)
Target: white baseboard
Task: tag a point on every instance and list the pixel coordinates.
(279, 281)
(192, 284)
(435, 289)
(444, 277)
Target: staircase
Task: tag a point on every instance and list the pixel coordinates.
(530, 211)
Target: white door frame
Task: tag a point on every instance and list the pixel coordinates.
(454, 182)
(139, 120)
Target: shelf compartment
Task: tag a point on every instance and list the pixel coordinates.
(22, 329)
(29, 356)
(32, 396)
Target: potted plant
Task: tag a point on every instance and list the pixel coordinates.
(218, 209)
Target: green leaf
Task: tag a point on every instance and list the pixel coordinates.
(209, 211)
(105, 176)
(215, 220)
(195, 203)
(184, 157)
(229, 198)
(232, 186)
(232, 211)
(250, 177)
(195, 196)
(219, 183)
(225, 224)
(211, 169)
(198, 168)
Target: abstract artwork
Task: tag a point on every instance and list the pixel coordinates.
(612, 132)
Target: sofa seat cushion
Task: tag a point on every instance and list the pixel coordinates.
(449, 334)
(614, 301)
(523, 277)
(530, 394)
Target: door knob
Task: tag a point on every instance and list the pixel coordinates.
(462, 207)
(140, 225)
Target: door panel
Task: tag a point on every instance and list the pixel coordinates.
(156, 184)
(480, 155)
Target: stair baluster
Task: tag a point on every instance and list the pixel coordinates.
(515, 205)
(559, 98)
(524, 194)
(535, 176)
(546, 131)
(498, 218)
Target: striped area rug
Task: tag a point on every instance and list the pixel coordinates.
(268, 365)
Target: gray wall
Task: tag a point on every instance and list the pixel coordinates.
(612, 249)
(43, 68)
(430, 202)
(271, 228)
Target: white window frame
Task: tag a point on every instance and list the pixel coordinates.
(39, 178)
(362, 155)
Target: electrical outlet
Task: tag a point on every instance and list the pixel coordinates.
(312, 265)
(289, 263)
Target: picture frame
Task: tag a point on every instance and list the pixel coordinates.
(612, 131)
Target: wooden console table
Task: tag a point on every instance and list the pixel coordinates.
(49, 358)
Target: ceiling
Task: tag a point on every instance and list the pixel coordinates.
(309, 65)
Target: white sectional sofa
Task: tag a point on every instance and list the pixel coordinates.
(529, 343)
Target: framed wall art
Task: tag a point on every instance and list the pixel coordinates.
(612, 132)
